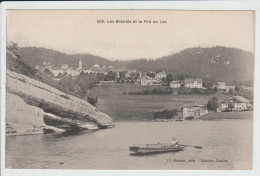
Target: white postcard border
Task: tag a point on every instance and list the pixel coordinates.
(179, 5)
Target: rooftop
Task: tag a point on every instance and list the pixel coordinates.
(191, 80)
(174, 81)
(194, 104)
(239, 98)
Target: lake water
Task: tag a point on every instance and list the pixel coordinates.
(229, 140)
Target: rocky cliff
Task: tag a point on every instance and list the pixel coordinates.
(29, 100)
(24, 119)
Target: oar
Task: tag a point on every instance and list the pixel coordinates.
(198, 147)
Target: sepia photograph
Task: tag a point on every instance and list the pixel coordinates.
(129, 89)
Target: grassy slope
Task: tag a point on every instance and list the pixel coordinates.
(228, 115)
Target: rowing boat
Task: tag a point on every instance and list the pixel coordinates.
(156, 148)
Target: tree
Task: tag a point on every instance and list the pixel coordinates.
(60, 75)
(209, 85)
(122, 74)
(237, 88)
(13, 48)
(164, 80)
(67, 83)
(230, 106)
(215, 99)
(212, 104)
(134, 75)
(65, 74)
(209, 105)
(151, 75)
(101, 76)
(82, 74)
(48, 72)
(110, 76)
(169, 78)
(231, 91)
(165, 114)
(92, 100)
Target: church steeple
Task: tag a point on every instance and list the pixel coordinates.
(80, 64)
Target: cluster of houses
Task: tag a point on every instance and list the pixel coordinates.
(188, 83)
(74, 72)
(155, 81)
(95, 69)
(175, 84)
(198, 83)
(232, 103)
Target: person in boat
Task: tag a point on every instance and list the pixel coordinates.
(174, 141)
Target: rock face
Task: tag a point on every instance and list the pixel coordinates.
(23, 119)
(40, 99)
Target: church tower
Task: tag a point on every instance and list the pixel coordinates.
(80, 64)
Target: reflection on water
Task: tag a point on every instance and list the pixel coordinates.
(229, 140)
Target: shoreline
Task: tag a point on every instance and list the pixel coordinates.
(208, 117)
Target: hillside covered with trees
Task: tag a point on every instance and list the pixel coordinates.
(217, 64)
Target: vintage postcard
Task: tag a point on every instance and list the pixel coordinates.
(129, 89)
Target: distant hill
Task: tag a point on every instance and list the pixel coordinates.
(36, 56)
(217, 63)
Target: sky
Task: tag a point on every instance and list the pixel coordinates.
(78, 31)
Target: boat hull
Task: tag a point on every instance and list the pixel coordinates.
(155, 149)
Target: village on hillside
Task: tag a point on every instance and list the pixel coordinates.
(238, 100)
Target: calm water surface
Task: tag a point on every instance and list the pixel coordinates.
(229, 140)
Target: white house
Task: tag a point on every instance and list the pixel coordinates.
(147, 81)
(194, 110)
(110, 67)
(161, 75)
(96, 66)
(175, 84)
(193, 82)
(227, 62)
(221, 85)
(73, 72)
(64, 66)
(230, 87)
(235, 103)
